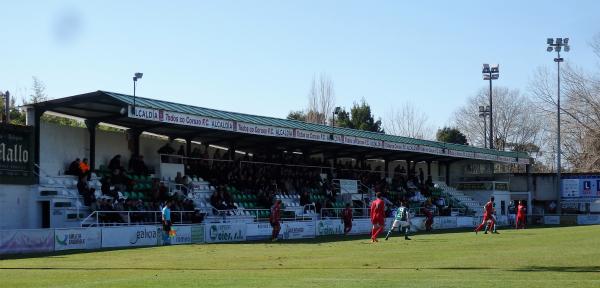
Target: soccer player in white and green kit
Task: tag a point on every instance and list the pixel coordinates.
(401, 221)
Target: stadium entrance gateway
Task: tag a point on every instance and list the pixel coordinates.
(235, 135)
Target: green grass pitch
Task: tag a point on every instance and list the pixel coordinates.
(537, 257)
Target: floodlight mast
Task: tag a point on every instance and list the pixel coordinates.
(484, 111)
(136, 76)
(491, 73)
(557, 45)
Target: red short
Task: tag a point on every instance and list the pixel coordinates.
(378, 221)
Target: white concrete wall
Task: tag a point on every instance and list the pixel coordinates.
(60, 145)
(19, 208)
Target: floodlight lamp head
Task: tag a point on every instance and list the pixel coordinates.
(566, 41)
(139, 75)
(495, 76)
(549, 49)
(559, 41)
(486, 76)
(481, 109)
(567, 48)
(337, 110)
(549, 41)
(495, 68)
(557, 48)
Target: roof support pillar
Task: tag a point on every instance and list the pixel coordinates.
(529, 178)
(188, 146)
(135, 137)
(429, 178)
(386, 162)
(447, 173)
(231, 150)
(91, 127)
(36, 114)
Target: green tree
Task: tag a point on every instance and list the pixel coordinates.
(297, 115)
(451, 135)
(39, 91)
(16, 116)
(360, 117)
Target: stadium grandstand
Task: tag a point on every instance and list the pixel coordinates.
(224, 165)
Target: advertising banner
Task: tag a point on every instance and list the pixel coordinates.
(130, 236)
(264, 130)
(310, 135)
(588, 219)
(585, 186)
(348, 186)
(26, 241)
(258, 231)
(570, 188)
(78, 238)
(465, 221)
(183, 235)
(180, 118)
(16, 155)
(552, 220)
(329, 227)
(298, 230)
(197, 234)
(225, 232)
(360, 226)
(444, 222)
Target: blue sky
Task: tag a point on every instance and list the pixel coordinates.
(259, 57)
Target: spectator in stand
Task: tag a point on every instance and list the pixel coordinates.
(74, 168)
(216, 201)
(84, 168)
(107, 188)
(181, 151)
(305, 200)
(165, 151)
(84, 190)
(137, 165)
(115, 163)
(120, 181)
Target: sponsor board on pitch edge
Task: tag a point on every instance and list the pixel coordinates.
(130, 236)
(329, 227)
(298, 230)
(225, 232)
(81, 238)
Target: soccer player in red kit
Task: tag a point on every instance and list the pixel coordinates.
(347, 218)
(520, 221)
(274, 219)
(487, 215)
(377, 217)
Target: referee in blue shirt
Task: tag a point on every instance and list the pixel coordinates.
(166, 220)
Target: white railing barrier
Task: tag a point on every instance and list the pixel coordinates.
(124, 218)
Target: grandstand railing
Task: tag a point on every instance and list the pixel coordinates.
(261, 215)
(337, 212)
(124, 218)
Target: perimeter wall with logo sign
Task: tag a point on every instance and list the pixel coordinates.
(50, 240)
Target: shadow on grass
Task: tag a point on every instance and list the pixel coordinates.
(569, 269)
(577, 269)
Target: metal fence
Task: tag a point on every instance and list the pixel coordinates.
(125, 218)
